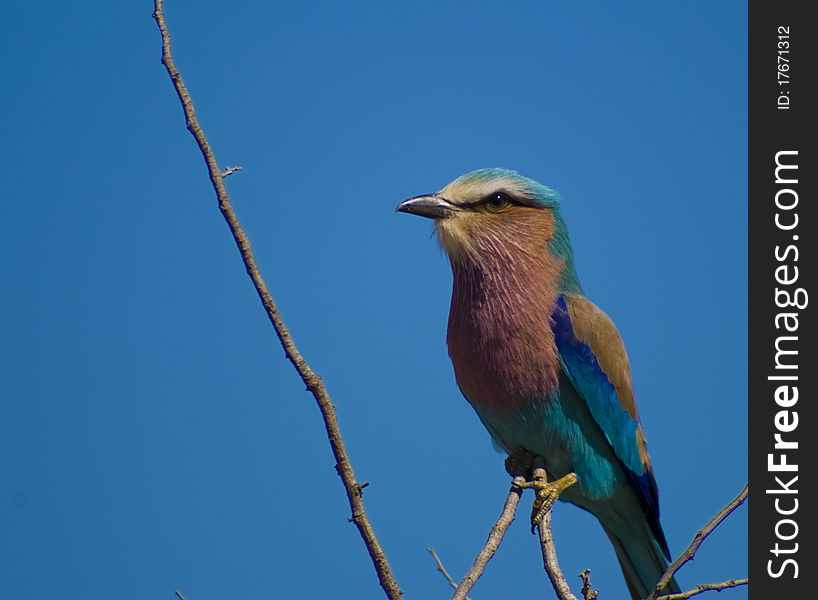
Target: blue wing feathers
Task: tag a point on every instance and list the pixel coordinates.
(583, 370)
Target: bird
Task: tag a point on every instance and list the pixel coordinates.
(544, 368)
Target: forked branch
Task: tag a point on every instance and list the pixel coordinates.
(690, 553)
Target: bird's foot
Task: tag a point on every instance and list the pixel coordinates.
(519, 463)
(547, 494)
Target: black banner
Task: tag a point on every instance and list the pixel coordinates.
(783, 64)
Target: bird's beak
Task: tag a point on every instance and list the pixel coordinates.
(429, 205)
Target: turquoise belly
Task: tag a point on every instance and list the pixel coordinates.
(559, 427)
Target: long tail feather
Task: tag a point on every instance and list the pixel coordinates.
(642, 563)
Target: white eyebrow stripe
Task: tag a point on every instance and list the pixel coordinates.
(465, 192)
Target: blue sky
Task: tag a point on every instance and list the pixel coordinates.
(152, 436)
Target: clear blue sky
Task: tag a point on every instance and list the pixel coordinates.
(152, 436)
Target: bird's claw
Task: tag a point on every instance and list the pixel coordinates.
(520, 463)
(547, 494)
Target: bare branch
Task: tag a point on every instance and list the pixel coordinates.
(549, 559)
(588, 593)
(498, 531)
(700, 536)
(230, 170)
(442, 569)
(549, 551)
(311, 379)
(706, 587)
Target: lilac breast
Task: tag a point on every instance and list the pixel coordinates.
(500, 337)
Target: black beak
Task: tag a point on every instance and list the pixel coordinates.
(428, 205)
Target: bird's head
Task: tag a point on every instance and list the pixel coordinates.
(498, 217)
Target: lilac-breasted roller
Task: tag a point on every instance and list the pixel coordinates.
(544, 368)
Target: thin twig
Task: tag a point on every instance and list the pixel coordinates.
(549, 550)
(441, 568)
(230, 170)
(498, 531)
(706, 587)
(700, 536)
(549, 559)
(311, 379)
(588, 593)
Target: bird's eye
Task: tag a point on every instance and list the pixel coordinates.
(497, 201)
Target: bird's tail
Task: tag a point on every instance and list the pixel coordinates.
(642, 563)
